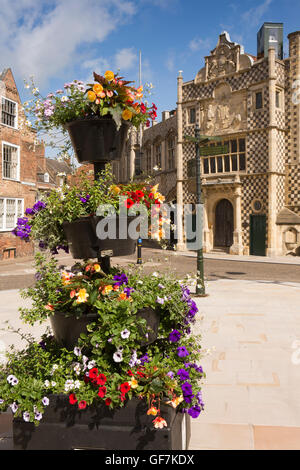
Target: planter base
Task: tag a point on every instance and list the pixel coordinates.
(64, 427)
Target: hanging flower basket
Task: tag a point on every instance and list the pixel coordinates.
(98, 139)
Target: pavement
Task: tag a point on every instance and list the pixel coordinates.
(251, 343)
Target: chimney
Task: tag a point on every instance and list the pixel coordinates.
(165, 115)
(270, 35)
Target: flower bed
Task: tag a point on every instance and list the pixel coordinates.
(109, 365)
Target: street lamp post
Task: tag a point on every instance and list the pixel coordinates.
(201, 142)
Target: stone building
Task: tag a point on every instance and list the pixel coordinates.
(251, 181)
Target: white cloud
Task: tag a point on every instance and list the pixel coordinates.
(198, 44)
(43, 38)
(254, 16)
(125, 59)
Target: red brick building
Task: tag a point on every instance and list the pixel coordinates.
(20, 154)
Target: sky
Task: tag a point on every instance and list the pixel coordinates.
(58, 41)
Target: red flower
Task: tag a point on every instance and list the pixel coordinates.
(140, 374)
(93, 373)
(125, 387)
(101, 392)
(153, 106)
(143, 108)
(157, 202)
(108, 401)
(151, 196)
(82, 405)
(101, 379)
(129, 372)
(148, 123)
(129, 203)
(139, 193)
(72, 399)
(122, 398)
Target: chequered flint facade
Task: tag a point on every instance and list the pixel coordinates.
(251, 187)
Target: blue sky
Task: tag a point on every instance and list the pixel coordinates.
(60, 40)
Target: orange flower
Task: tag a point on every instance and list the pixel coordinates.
(122, 296)
(49, 307)
(72, 294)
(97, 88)
(91, 95)
(109, 75)
(127, 114)
(152, 411)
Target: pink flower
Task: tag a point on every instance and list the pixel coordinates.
(109, 93)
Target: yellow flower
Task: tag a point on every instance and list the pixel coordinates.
(97, 267)
(127, 114)
(175, 402)
(81, 296)
(115, 189)
(97, 88)
(91, 95)
(133, 383)
(154, 189)
(109, 75)
(107, 289)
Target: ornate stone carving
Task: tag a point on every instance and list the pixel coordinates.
(225, 113)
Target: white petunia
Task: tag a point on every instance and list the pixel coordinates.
(14, 407)
(26, 416)
(12, 380)
(118, 357)
(125, 334)
(77, 351)
(45, 401)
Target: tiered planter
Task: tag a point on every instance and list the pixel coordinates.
(64, 427)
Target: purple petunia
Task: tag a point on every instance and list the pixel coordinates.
(85, 199)
(187, 392)
(194, 411)
(183, 374)
(121, 279)
(182, 351)
(128, 290)
(144, 359)
(174, 336)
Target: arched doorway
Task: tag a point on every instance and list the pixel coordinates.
(223, 233)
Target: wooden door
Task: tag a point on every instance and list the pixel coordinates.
(223, 233)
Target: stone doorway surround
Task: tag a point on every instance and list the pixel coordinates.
(213, 192)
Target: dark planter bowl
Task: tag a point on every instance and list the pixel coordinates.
(64, 427)
(67, 329)
(84, 243)
(97, 139)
